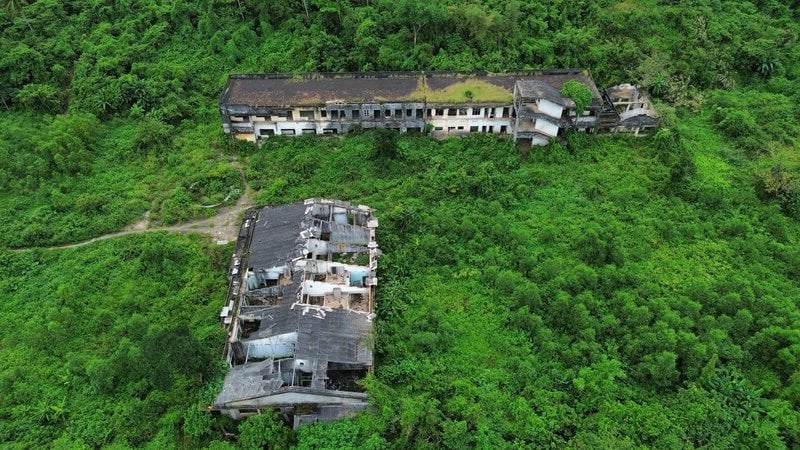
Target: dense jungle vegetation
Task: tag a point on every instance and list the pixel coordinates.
(611, 293)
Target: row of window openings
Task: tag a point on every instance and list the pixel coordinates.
(475, 129)
(292, 132)
(410, 112)
(390, 113)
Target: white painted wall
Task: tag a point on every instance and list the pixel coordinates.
(546, 127)
(264, 126)
(298, 127)
(445, 123)
(439, 121)
(549, 108)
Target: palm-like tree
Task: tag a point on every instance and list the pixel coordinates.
(14, 7)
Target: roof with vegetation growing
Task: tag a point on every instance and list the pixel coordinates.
(318, 89)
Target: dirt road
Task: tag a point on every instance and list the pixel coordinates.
(224, 226)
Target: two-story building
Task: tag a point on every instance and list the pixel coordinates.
(527, 106)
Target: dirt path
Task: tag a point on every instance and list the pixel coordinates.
(224, 226)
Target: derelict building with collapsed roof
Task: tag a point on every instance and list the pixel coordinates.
(299, 314)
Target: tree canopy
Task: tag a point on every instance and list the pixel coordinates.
(614, 292)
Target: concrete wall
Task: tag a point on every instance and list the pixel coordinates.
(546, 127)
(550, 108)
(404, 117)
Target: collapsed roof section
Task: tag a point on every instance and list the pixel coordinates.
(299, 315)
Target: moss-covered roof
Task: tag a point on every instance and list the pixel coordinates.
(286, 90)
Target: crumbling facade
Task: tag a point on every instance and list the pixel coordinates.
(299, 314)
(527, 106)
(636, 114)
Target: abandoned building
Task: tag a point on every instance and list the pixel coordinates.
(527, 106)
(635, 112)
(299, 311)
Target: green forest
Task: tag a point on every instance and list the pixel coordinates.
(613, 292)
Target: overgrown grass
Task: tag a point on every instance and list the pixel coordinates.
(112, 343)
(118, 182)
(509, 287)
(561, 300)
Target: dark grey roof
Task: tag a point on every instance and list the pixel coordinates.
(535, 89)
(316, 89)
(275, 233)
(340, 337)
(337, 335)
(324, 335)
(248, 381)
(640, 120)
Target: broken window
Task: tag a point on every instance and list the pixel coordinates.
(460, 128)
(505, 112)
(240, 118)
(413, 129)
(409, 112)
(438, 128)
(304, 379)
(323, 113)
(356, 114)
(335, 114)
(473, 129)
(503, 128)
(451, 112)
(387, 112)
(287, 132)
(351, 218)
(322, 211)
(451, 128)
(419, 113)
(266, 132)
(307, 115)
(309, 131)
(439, 112)
(398, 113)
(376, 114)
(462, 111)
(329, 131)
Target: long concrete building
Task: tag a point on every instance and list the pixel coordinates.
(526, 106)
